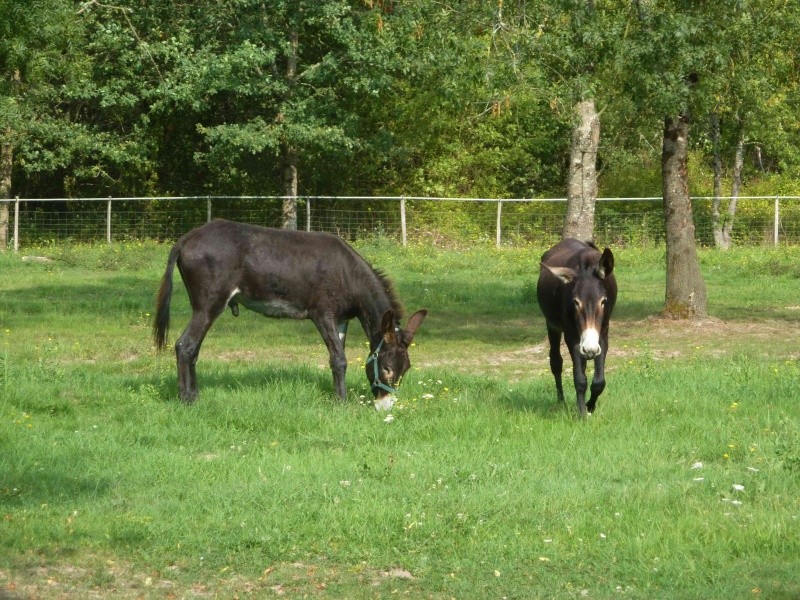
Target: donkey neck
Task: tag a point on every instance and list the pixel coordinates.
(371, 316)
(373, 303)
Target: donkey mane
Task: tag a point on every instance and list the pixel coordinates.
(387, 285)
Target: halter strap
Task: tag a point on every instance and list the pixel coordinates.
(376, 381)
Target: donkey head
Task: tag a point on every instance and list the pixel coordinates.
(389, 362)
(588, 296)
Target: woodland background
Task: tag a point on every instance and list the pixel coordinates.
(417, 97)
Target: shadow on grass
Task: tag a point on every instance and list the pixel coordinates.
(519, 328)
(266, 378)
(49, 484)
(538, 398)
(119, 293)
(636, 310)
(483, 317)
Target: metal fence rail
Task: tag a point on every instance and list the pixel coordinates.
(760, 220)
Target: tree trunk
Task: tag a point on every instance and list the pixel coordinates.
(288, 150)
(6, 164)
(582, 183)
(686, 291)
(289, 187)
(738, 164)
(716, 221)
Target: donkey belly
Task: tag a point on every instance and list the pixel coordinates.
(271, 307)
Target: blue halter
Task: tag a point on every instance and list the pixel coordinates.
(376, 381)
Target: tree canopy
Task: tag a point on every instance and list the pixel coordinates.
(386, 96)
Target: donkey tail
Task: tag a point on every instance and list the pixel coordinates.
(161, 323)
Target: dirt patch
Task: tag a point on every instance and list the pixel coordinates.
(726, 336)
(116, 579)
(106, 579)
(653, 338)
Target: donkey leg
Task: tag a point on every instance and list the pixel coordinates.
(579, 378)
(328, 328)
(556, 362)
(599, 378)
(187, 349)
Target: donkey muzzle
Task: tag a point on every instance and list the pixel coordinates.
(589, 345)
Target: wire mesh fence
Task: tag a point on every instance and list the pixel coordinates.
(436, 221)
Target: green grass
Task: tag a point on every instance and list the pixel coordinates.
(481, 487)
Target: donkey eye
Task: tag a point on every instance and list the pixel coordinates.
(603, 301)
(577, 303)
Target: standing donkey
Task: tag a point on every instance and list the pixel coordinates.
(286, 274)
(577, 292)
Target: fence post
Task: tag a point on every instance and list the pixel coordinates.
(16, 224)
(777, 221)
(499, 221)
(308, 214)
(403, 230)
(208, 209)
(108, 221)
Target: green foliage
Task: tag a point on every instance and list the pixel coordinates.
(396, 97)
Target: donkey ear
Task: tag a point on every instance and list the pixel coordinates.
(565, 274)
(414, 322)
(388, 327)
(606, 265)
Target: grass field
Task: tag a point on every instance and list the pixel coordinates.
(684, 484)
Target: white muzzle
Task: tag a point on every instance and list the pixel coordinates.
(384, 404)
(590, 343)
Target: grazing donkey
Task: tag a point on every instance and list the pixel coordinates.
(576, 293)
(286, 274)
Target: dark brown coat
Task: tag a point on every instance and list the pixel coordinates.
(285, 274)
(577, 292)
